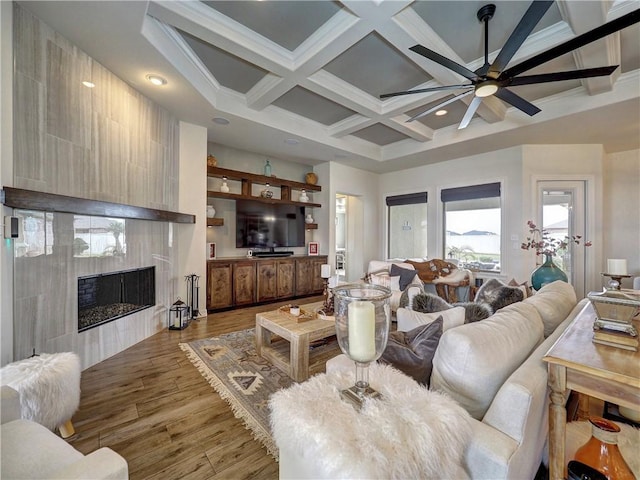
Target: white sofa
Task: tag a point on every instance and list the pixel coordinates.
(30, 451)
(494, 369)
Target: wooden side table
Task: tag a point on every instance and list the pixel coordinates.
(600, 371)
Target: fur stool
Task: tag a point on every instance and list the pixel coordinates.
(49, 386)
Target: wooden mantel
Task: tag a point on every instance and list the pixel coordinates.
(51, 202)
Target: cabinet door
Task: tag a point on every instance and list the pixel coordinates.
(219, 285)
(304, 276)
(317, 282)
(266, 280)
(244, 282)
(286, 278)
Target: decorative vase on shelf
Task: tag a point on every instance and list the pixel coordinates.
(267, 169)
(308, 218)
(224, 187)
(601, 451)
(211, 212)
(546, 273)
(303, 196)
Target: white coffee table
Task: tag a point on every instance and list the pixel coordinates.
(296, 361)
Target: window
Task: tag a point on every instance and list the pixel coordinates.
(472, 225)
(407, 225)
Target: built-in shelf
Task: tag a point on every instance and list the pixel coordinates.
(215, 222)
(51, 202)
(249, 179)
(311, 226)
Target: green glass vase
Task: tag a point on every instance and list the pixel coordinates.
(546, 273)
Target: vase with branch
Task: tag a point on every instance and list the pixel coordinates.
(544, 243)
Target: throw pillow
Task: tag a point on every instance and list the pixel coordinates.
(524, 286)
(474, 312)
(412, 352)
(409, 293)
(406, 275)
(428, 302)
(381, 278)
(407, 319)
(497, 294)
(394, 284)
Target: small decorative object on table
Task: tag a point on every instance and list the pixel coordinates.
(211, 251)
(326, 312)
(601, 452)
(616, 270)
(224, 187)
(545, 244)
(297, 314)
(313, 248)
(363, 318)
(615, 310)
(303, 196)
(178, 315)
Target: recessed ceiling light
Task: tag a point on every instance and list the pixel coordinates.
(442, 112)
(88, 84)
(221, 121)
(292, 141)
(157, 80)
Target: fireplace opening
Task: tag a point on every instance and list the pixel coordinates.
(105, 297)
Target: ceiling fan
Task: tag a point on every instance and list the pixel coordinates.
(494, 78)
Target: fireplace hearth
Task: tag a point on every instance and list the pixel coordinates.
(105, 297)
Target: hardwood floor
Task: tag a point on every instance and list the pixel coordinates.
(151, 405)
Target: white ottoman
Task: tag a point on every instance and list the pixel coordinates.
(410, 433)
(49, 386)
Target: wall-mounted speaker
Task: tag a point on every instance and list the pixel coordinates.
(12, 227)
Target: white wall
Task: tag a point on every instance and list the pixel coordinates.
(6, 177)
(364, 185)
(192, 198)
(621, 206)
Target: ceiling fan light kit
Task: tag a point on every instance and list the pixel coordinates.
(494, 78)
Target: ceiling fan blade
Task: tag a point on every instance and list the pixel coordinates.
(529, 20)
(577, 42)
(445, 62)
(517, 101)
(471, 110)
(440, 105)
(423, 90)
(560, 76)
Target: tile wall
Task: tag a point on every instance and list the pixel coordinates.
(105, 143)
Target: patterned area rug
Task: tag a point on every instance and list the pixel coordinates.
(245, 380)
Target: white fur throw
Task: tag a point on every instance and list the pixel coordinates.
(578, 433)
(49, 386)
(410, 433)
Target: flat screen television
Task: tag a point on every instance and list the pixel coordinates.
(269, 225)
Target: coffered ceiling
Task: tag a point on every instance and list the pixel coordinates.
(301, 79)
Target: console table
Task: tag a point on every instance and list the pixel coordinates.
(600, 371)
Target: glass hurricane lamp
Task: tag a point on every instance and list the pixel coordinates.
(363, 317)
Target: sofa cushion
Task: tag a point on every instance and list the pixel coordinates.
(412, 352)
(472, 361)
(410, 319)
(30, 450)
(554, 301)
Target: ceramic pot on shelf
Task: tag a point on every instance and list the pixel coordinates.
(546, 273)
(308, 218)
(303, 196)
(601, 451)
(211, 212)
(224, 187)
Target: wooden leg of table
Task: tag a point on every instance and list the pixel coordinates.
(583, 406)
(66, 429)
(557, 422)
(299, 358)
(263, 338)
